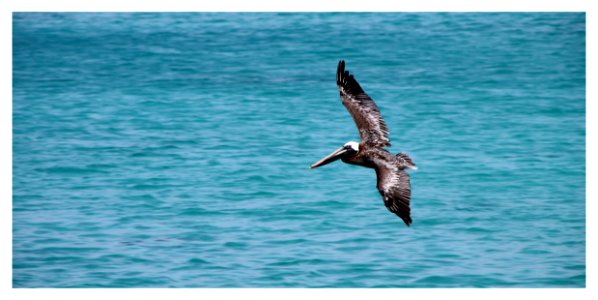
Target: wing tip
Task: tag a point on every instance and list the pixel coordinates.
(345, 81)
(340, 71)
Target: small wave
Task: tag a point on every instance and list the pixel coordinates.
(71, 170)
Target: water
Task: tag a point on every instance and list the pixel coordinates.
(171, 150)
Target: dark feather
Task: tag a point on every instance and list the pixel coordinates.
(404, 161)
(372, 129)
(395, 188)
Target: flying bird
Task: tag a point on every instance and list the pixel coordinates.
(393, 181)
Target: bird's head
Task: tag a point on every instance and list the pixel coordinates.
(347, 150)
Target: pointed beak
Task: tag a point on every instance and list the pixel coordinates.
(330, 158)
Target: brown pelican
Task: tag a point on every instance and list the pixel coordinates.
(393, 180)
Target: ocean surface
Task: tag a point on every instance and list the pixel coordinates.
(172, 150)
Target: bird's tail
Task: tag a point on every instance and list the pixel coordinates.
(404, 161)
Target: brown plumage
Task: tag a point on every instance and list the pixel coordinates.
(393, 181)
(365, 113)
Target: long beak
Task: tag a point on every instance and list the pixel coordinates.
(330, 158)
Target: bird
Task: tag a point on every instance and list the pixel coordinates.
(393, 181)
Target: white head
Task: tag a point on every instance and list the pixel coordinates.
(347, 150)
(353, 145)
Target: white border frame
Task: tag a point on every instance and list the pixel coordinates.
(10, 6)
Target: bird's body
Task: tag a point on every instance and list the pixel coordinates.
(393, 181)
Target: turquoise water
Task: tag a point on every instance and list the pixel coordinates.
(172, 150)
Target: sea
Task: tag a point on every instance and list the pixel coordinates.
(172, 150)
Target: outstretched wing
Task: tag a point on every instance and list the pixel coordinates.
(395, 188)
(372, 129)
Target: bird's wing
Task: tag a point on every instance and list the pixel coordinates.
(372, 129)
(394, 186)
